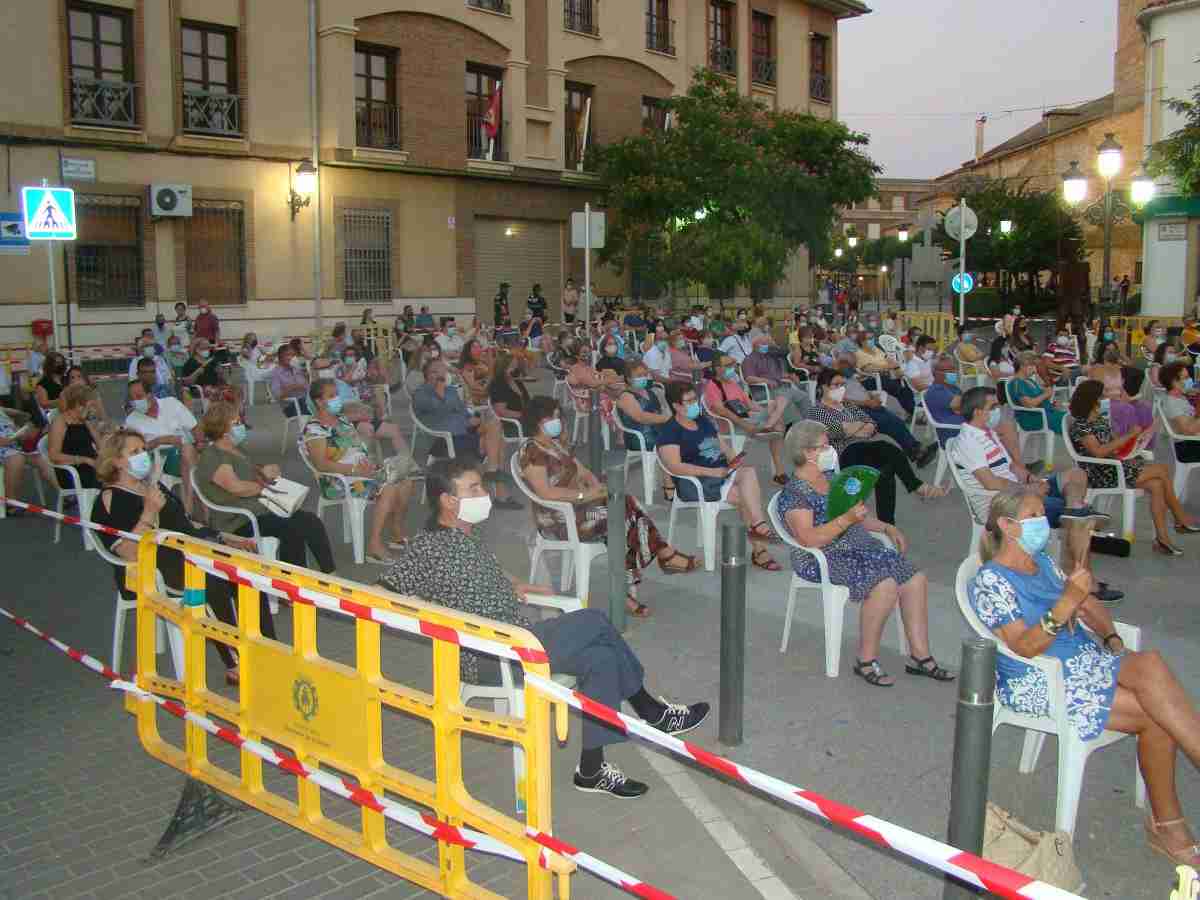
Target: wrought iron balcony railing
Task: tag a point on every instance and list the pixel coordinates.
(109, 103)
(762, 69)
(377, 125)
(660, 33)
(205, 112)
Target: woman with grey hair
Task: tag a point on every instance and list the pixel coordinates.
(877, 577)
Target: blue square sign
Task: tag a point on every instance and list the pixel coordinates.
(49, 213)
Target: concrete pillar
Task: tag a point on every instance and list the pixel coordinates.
(335, 71)
(742, 37)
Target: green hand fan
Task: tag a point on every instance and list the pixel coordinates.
(849, 487)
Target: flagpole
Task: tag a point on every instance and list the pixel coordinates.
(587, 120)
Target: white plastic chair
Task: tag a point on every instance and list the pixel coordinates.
(354, 509)
(1182, 469)
(706, 515)
(942, 462)
(1073, 752)
(170, 482)
(84, 496)
(253, 375)
(300, 419)
(635, 451)
(577, 555)
(1128, 495)
(514, 442)
(974, 370)
(724, 428)
(1043, 431)
(834, 597)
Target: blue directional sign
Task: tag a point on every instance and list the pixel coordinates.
(12, 234)
(962, 283)
(49, 213)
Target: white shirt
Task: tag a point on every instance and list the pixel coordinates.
(173, 420)
(917, 369)
(974, 449)
(658, 361)
(450, 343)
(162, 369)
(737, 346)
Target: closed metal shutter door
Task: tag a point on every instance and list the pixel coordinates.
(530, 253)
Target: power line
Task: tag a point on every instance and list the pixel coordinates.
(994, 113)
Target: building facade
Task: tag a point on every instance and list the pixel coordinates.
(1171, 233)
(181, 125)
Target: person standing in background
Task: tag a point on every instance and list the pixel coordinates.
(535, 303)
(207, 325)
(570, 301)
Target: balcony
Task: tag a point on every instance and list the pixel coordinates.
(478, 141)
(216, 114)
(377, 125)
(660, 34)
(574, 151)
(820, 87)
(496, 6)
(762, 68)
(106, 103)
(722, 58)
(582, 16)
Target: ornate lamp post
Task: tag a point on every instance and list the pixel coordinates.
(1108, 210)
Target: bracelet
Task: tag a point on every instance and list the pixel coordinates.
(1109, 637)
(1050, 625)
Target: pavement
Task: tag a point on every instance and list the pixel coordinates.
(81, 804)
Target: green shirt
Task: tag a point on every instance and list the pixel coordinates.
(211, 459)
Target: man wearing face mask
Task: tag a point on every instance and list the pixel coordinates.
(449, 340)
(165, 423)
(985, 468)
(918, 365)
(449, 564)
(658, 356)
(207, 325)
(738, 344)
(943, 399)
(161, 331)
(289, 383)
(148, 357)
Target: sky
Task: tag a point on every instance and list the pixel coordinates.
(915, 74)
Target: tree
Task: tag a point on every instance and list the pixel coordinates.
(1178, 154)
(726, 193)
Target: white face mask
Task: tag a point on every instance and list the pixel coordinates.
(837, 394)
(827, 460)
(474, 510)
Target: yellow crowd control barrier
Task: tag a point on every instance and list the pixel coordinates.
(942, 326)
(330, 714)
(1131, 330)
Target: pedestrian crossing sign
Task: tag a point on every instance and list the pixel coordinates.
(49, 213)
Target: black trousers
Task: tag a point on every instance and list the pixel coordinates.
(300, 532)
(892, 464)
(1187, 451)
(896, 388)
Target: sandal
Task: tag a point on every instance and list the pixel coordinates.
(691, 565)
(636, 609)
(762, 531)
(1161, 546)
(770, 565)
(1154, 837)
(872, 673)
(928, 668)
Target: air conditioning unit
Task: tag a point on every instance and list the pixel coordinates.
(170, 200)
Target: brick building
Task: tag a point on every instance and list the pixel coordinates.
(181, 125)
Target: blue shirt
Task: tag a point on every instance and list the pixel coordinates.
(424, 320)
(696, 448)
(938, 399)
(441, 414)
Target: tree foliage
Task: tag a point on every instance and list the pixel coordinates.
(1178, 154)
(730, 190)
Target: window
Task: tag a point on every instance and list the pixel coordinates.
(654, 114)
(762, 67)
(211, 104)
(216, 252)
(660, 27)
(108, 252)
(722, 52)
(578, 125)
(898, 202)
(820, 76)
(581, 15)
(376, 115)
(482, 83)
(368, 241)
(500, 6)
(101, 61)
(873, 231)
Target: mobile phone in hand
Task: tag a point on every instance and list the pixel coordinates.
(737, 460)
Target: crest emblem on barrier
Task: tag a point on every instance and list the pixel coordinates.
(304, 698)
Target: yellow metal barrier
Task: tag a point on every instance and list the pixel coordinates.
(942, 326)
(1131, 330)
(330, 714)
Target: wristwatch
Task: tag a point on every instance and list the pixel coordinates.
(579, 497)
(1050, 625)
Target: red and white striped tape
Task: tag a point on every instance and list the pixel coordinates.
(423, 823)
(72, 520)
(967, 867)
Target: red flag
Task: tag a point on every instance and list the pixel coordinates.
(491, 119)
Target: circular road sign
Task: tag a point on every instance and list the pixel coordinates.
(964, 217)
(962, 283)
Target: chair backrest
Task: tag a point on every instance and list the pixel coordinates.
(956, 472)
(566, 509)
(237, 510)
(1066, 433)
(105, 554)
(779, 524)
(966, 571)
(940, 426)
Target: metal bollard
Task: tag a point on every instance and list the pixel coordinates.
(616, 546)
(972, 754)
(733, 632)
(595, 447)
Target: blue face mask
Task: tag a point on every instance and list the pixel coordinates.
(951, 378)
(662, 345)
(552, 428)
(1035, 534)
(993, 419)
(1189, 384)
(1105, 406)
(1108, 335)
(763, 348)
(139, 465)
(730, 373)
(334, 405)
(237, 433)
(693, 410)
(641, 382)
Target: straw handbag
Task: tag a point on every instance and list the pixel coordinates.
(1045, 855)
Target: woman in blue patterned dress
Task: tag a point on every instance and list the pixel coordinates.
(876, 576)
(1035, 609)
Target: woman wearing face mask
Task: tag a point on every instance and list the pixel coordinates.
(1179, 409)
(96, 413)
(475, 368)
(202, 374)
(1153, 337)
(855, 437)
(128, 503)
(1026, 391)
(1037, 610)
(226, 476)
(1091, 435)
(54, 371)
(690, 445)
(999, 361)
(725, 397)
(552, 473)
(507, 396)
(870, 360)
(72, 440)
(641, 411)
(1106, 346)
(877, 577)
(683, 364)
(256, 364)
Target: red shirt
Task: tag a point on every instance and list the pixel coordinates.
(207, 326)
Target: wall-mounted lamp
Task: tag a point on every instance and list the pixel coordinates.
(508, 232)
(303, 185)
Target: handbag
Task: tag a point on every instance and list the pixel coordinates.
(1045, 855)
(283, 496)
(1110, 545)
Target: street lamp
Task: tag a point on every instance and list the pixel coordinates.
(1006, 226)
(1108, 157)
(1074, 184)
(1105, 212)
(852, 241)
(1141, 190)
(303, 186)
(903, 235)
(837, 252)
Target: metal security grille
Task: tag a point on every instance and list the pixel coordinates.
(216, 252)
(368, 255)
(108, 251)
